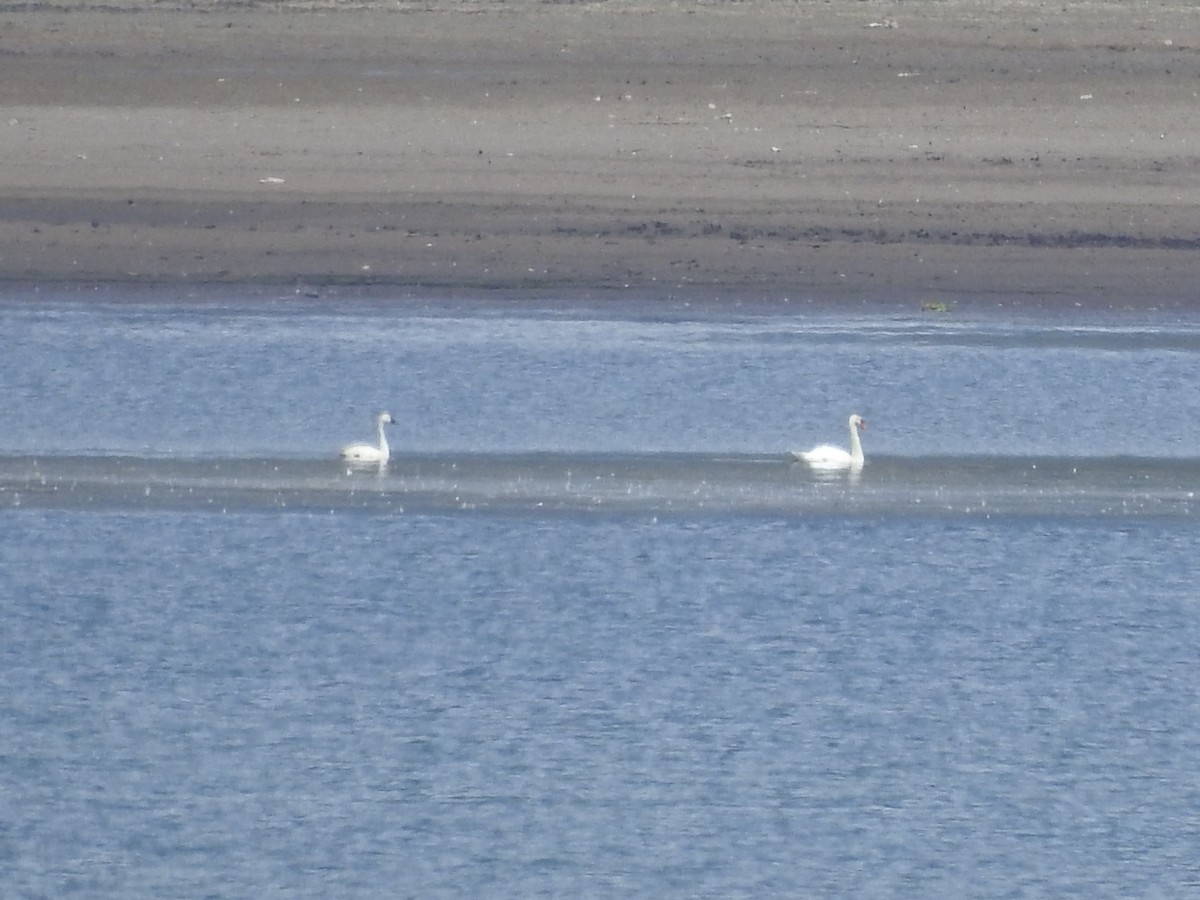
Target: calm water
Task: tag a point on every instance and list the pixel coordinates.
(590, 633)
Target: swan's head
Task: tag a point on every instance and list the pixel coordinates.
(386, 419)
(857, 421)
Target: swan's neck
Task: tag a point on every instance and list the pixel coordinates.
(383, 444)
(856, 451)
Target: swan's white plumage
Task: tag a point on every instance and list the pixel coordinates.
(370, 453)
(827, 456)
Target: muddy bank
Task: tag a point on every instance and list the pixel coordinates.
(953, 151)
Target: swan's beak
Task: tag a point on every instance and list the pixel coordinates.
(862, 424)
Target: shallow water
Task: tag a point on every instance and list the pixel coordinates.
(591, 633)
(575, 483)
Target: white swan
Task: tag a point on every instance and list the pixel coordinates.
(827, 457)
(368, 453)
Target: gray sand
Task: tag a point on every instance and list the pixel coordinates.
(953, 151)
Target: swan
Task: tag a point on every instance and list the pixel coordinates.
(827, 457)
(369, 453)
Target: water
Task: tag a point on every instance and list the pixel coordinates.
(591, 634)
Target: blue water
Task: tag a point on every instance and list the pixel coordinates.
(590, 633)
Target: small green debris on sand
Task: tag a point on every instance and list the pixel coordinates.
(936, 306)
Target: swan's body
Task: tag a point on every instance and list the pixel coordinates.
(827, 457)
(370, 453)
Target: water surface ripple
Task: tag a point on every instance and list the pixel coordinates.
(591, 633)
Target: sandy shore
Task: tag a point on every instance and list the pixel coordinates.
(951, 151)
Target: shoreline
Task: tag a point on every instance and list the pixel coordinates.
(868, 153)
(601, 303)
